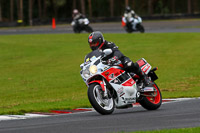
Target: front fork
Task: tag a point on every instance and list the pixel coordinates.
(105, 89)
(102, 83)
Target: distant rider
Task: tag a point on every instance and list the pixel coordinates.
(130, 16)
(77, 15)
(129, 13)
(96, 41)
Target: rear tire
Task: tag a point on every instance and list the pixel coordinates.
(152, 103)
(102, 105)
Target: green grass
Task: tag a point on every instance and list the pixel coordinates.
(41, 72)
(182, 130)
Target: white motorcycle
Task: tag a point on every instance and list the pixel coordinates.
(80, 25)
(110, 86)
(133, 24)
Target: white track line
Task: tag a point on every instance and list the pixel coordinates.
(31, 115)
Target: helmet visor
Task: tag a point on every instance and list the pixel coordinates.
(94, 45)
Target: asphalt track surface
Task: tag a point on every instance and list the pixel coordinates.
(186, 25)
(180, 114)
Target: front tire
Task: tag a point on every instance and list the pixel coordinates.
(140, 27)
(88, 29)
(103, 105)
(152, 103)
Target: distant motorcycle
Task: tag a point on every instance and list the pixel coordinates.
(133, 24)
(110, 86)
(80, 25)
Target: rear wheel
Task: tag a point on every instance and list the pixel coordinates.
(102, 104)
(153, 100)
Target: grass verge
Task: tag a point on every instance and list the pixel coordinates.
(41, 72)
(181, 130)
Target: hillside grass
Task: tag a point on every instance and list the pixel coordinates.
(39, 73)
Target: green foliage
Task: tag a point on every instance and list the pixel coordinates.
(161, 8)
(41, 72)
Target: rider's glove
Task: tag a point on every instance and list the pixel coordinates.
(113, 60)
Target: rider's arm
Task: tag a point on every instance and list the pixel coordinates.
(133, 13)
(115, 50)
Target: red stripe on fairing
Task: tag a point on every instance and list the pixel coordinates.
(115, 71)
(100, 83)
(90, 37)
(129, 82)
(140, 62)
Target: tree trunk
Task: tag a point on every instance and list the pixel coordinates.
(83, 6)
(111, 8)
(189, 6)
(173, 6)
(20, 11)
(196, 7)
(74, 4)
(0, 12)
(53, 7)
(11, 10)
(90, 8)
(133, 4)
(30, 11)
(39, 9)
(150, 8)
(44, 9)
(126, 3)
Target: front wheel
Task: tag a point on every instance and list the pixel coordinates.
(140, 27)
(102, 104)
(152, 101)
(76, 29)
(88, 29)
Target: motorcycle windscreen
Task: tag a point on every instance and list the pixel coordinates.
(91, 55)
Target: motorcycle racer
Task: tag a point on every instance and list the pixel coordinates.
(77, 15)
(96, 41)
(129, 13)
(131, 18)
(80, 22)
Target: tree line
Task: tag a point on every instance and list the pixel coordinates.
(29, 11)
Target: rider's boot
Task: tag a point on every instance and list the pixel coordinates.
(144, 78)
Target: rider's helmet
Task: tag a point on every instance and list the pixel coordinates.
(128, 9)
(96, 40)
(75, 11)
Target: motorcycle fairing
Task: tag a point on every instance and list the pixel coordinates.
(99, 82)
(144, 65)
(125, 94)
(123, 84)
(111, 73)
(120, 81)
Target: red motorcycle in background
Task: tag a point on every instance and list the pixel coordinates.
(110, 86)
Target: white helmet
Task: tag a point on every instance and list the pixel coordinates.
(75, 11)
